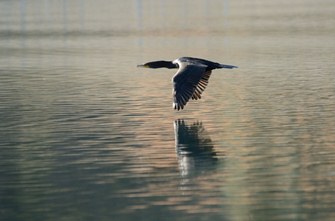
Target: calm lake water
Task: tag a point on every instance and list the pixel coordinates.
(86, 135)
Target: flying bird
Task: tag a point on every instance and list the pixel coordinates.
(191, 78)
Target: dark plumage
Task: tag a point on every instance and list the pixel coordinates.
(191, 78)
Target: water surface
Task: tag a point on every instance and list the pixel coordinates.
(85, 135)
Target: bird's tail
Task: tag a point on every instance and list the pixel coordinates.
(227, 66)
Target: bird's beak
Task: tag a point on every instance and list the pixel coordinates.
(143, 66)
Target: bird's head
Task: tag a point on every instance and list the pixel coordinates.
(159, 64)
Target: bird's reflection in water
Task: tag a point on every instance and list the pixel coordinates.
(194, 148)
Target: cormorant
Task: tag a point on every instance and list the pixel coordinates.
(191, 78)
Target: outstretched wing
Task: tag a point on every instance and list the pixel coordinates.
(201, 85)
(189, 82)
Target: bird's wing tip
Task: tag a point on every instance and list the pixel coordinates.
(177, 106)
